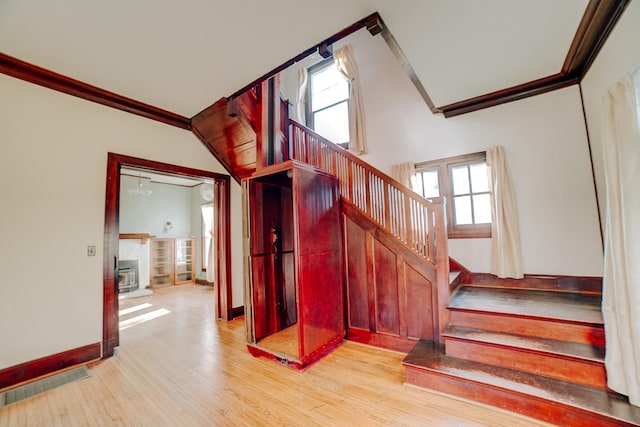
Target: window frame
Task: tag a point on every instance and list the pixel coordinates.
(314, 69)
(445, 183)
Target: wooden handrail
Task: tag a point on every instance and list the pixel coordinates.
(394, 207)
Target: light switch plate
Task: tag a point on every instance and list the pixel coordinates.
(91, 250)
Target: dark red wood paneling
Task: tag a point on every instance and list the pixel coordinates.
(419, 322)
(286, 219)
(231, 139)
(318, 209)
(260, 300)
(321, 294)
(386, 285)
(357, 291)
(291, 309)
(390, 296)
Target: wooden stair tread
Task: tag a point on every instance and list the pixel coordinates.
(558, 348)
(561, 306)
(430, 357)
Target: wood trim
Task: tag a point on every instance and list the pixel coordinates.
(143, 237)
(514, 93)
(203, 282)
(31, 73)
(110, 331)
(375, 26)
(110, 334)
(597, 23)
(226, 302)
(47, 365)
(579, 284)
(362, 23)
(389, 342)
(237, 311)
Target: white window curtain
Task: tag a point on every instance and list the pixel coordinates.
(208, 241)
(506, 252)
(621, 279)
(301, 96)
(404, 173)
(346, 63)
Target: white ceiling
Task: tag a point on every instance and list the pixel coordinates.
(162, 178)
(183, 56)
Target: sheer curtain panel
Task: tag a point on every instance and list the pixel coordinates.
(506, 252)
(404, 173)
(621, 279)
(301, 96)
(346, 64)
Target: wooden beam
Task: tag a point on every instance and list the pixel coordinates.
(525, 90)
(597, 23)
(31, 73)
(378, 26)
(299, 57)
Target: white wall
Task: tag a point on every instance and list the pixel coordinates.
(546, 146)
(52, 187)
(148, 214)
(620, 55)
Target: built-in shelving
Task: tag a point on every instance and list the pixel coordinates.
(172, 261)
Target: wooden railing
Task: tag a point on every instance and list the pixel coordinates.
(406, 215)
(419, 224)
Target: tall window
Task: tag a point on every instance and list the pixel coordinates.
(328, 102)
(207, 228)
(464, 181)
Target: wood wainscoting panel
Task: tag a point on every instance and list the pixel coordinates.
(31, 370)
(390, 296)
(386, 290)
(420, 323)
(356, 275)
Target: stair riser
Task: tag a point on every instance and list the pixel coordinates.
(531, 327)
(578, 371)
(546, 410)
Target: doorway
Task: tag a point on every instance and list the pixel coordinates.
(111, 241)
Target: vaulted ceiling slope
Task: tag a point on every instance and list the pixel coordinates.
(183, 56)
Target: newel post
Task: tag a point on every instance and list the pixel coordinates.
(442, 264)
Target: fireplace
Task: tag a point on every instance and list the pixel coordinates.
(128, 275)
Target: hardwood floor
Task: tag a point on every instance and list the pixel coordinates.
(180, 367)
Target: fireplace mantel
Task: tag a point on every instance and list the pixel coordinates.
(142, 236)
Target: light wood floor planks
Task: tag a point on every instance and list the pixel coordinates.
(183, 368)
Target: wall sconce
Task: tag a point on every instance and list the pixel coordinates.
(168, 226)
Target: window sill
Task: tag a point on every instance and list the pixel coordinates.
(469, 234)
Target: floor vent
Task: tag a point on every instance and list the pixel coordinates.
(31, 389)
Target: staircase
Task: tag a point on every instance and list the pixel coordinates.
(534, 346)
(534, 351)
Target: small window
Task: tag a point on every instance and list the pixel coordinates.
(464, 181)
(328, 103)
